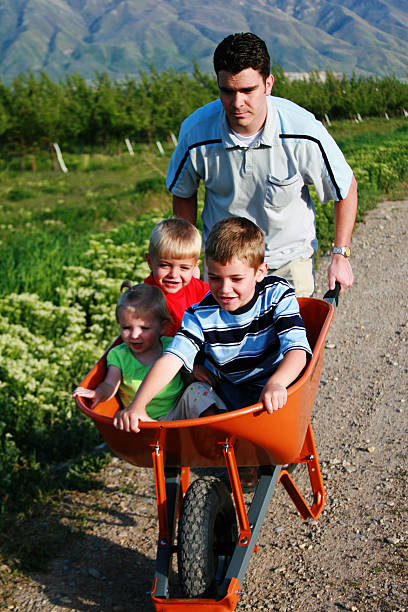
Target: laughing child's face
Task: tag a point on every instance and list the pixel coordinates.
(233, 284)
(172, 274)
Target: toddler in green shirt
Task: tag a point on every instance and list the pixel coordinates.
(143, 318)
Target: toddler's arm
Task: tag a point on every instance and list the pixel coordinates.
(105, 390)
(274, 394)
(161, 373)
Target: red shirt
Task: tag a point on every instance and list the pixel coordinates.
(181, 300)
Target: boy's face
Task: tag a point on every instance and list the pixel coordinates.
(172, 274)
(233, 284)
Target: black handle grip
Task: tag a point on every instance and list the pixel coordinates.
(332, 296)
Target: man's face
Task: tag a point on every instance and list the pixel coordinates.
(233, 284)
(243, 97)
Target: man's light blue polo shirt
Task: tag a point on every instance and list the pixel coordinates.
(266, 182)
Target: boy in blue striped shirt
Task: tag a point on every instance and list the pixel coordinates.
(248, 329)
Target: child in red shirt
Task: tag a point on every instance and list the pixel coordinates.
(173, 256)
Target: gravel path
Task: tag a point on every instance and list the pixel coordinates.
(353, 558)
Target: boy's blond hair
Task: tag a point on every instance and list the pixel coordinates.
(236, 237)
(143, 299)
(176, 238)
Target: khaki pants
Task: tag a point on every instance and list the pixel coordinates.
(299, 273)
(196, 398)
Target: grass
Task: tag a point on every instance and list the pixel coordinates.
(47, 218)
(349, 132)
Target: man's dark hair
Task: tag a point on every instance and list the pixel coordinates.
(240, 51)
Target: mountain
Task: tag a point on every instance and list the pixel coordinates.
(123, 37)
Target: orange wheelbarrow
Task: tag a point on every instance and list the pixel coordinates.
(216, 535)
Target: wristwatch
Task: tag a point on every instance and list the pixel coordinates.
(345, 251)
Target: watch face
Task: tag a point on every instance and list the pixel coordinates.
(345, 251)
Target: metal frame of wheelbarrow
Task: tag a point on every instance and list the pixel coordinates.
(171, 485)
(246, 437)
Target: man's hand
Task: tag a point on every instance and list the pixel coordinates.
(340, 270)
(128, 419)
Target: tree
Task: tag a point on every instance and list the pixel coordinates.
(5, 114)
(76, 111)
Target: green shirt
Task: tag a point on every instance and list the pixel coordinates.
(133, 372)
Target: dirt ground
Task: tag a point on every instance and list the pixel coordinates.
(355, 556)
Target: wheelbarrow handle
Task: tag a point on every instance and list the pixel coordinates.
(332, 295)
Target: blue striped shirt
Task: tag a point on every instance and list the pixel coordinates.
(247, 345)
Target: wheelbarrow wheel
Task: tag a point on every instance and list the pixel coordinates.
(207, 535)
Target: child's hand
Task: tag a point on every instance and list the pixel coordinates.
(202, 374)
(128, 419)
(90, 393)
(273, 396)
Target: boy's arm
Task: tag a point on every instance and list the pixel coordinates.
(274, 394)
(161, 373)
(105, 390)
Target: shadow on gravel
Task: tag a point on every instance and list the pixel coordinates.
(75, 569)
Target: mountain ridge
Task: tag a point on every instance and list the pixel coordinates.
(124, 37)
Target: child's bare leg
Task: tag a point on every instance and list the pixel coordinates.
(211, 411)
(199, 399)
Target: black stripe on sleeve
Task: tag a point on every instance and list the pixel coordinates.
(197, 342)
(187, 153)
(323, 152)
(288, 322)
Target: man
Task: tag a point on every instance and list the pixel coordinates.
(256, 156)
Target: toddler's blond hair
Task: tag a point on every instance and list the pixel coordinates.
(176, 238)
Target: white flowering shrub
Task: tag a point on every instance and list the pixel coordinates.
(43, 318)
(95, 286)
(47, 348)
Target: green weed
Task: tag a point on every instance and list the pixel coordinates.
(17, 194)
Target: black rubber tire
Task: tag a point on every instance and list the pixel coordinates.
(207, 535)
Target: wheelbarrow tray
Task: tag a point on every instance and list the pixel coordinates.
(259, 438)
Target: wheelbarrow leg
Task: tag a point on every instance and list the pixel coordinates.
(308, 456)
(167, 482)
(165, 545)
(256, 515)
